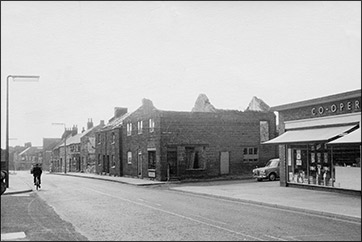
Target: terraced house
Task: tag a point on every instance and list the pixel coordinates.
(108, 145)
(76, 151)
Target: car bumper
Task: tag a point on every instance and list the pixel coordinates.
(259, 176)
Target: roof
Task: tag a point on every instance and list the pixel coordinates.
(115, 122)
(330, 98)
(74, 139)
(31, 150)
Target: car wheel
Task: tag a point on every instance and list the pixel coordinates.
(259, 179)
(272, 177)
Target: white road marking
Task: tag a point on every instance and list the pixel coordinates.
(12, 236)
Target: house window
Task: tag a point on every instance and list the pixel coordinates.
(113, 138)
(129, 157)
(139, 126)
(99, 138)
(152, 125)
(151, 159)
(251, 154)
(194, 158)
(113, 161)
(264, 131)
(129, 129)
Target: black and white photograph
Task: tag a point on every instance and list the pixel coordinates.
(181, 120)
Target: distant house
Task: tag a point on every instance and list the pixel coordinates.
(108, 145)
(24, 159)
(48, 146)
(60, 157)
(88, 148)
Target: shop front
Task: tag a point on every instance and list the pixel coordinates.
(320, 142)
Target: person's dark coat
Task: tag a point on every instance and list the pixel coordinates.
(37, 171)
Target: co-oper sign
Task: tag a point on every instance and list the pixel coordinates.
(340, 107)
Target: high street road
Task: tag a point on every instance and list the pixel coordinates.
(72, 208)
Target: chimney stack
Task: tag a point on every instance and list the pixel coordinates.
(74, 130)
(89, 124)
(119, 111)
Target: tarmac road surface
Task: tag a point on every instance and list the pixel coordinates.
(27, 217)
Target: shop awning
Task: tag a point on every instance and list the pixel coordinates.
(353, 137)
(310, 135)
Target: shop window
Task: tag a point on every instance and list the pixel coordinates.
(151, 159)
(298, 165)
(310, 164)
(346, 166)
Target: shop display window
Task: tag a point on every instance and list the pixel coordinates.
(324, 165)
(320, 172)
(309, 164)
(298, 164)
(346, 166)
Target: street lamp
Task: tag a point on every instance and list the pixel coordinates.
(15, 78)
(65, 146)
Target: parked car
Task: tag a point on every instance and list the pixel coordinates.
(269, 171)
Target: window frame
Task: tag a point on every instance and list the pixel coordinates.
(151, 125)
(139, 126)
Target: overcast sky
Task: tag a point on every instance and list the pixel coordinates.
(94, 56)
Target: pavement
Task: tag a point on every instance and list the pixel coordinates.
(324, 203)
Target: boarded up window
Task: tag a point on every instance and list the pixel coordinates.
(264, 131)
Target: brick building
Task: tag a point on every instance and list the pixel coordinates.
(48, 146)
(108, 145)
(61, 159)
(166, 145)
(87, 160)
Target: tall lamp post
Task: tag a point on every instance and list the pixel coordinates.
(15, 78)
(65, 147)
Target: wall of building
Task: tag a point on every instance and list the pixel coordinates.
(217, 133)
(141, 143)
(105, 147)
(212, 133)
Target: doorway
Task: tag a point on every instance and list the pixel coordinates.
(224, 163)
(139, 164)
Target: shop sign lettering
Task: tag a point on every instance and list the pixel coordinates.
(336, 107)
